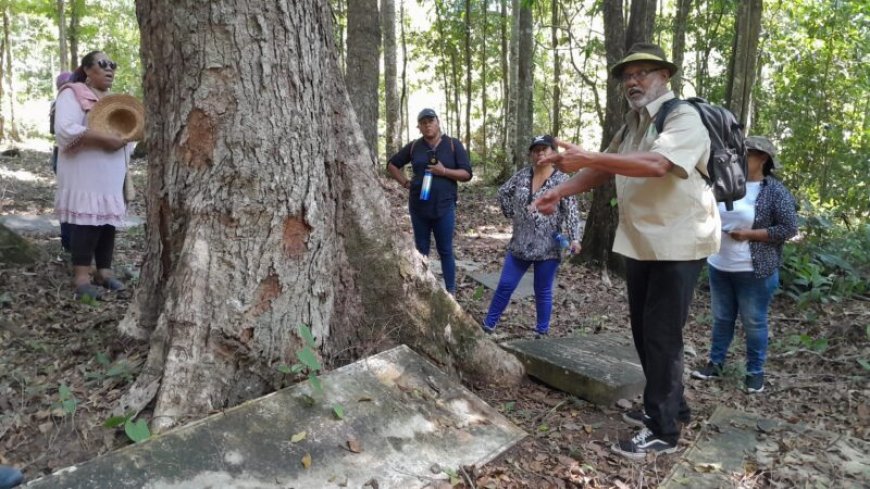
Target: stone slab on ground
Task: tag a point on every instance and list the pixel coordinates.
(600, 368)
(45, 224)
(734, 446)
(401, 414)
(467, 265)
(526, 287)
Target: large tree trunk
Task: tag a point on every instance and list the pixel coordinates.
(392, 105)
(525, 86)
(363, 66)
(744, 54)
(264, 212)
(61, 34)
(679, 50)
(603, 215)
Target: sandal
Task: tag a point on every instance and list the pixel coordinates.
(112, 284)
(88, 290)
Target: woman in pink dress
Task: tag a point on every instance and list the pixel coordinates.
(90, 175)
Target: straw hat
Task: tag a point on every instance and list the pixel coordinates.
(644, 51)
(119, 113)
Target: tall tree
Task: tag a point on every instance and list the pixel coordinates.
(679, 49)
(76, 12)
(392, 105)
(259, 224)
(61, 34)
(505, 87)
(6, 57)
(513, 95)
(468, 64)
(525, 85)
(363, 66)
(744, 55)
(603, 215)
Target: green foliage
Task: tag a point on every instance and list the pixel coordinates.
(66, 400)
(136, 430)
(308, 361)
(831, 261)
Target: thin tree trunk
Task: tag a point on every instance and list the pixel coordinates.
(505, 85)
(259, 224)
(75, 15)
(2, 82)
(557, 69)
(513, 98)
(406, 124)
(10, 94)
(468, 64)
(363, 66)
(392, 105)
(744, 55)
(483, 62)
(340, 12)
(682, 17)
(61, 34)
(448, 97)
(525, 86)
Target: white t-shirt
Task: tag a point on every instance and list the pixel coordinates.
(734, 255)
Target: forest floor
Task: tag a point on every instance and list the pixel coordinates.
(63, 364)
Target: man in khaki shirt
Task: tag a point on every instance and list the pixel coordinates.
(668, 225)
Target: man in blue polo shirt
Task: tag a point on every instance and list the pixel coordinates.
(433, 212)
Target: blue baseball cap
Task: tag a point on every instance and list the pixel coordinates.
(545, 140)
(426, 113)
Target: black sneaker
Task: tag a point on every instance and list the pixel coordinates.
(754, 383)
(639, 418)
(644, 442)
(709, 372)
(636, 418)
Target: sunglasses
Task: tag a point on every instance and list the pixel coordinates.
(106, 64)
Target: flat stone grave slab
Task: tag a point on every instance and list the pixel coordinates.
(467, 265)
(601, 368)
(401, 417)
(734, 446)
(45, 225)
(526, 287)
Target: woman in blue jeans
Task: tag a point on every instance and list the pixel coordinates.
(534, 241)
(745, 273)
(438, 161)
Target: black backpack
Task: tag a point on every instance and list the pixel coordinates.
(727, 163)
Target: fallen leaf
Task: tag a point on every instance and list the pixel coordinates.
(306, 460)
(708, 468)
(623, 403)
(354, 445)
(298, 437)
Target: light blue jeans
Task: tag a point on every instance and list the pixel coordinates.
(733, 293)
(10, 477)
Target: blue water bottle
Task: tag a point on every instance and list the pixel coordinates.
(427, 184)
(561, 239)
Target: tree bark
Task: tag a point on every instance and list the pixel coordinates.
(744, 55)
(468, 63)
(641, 23)
(264, 212)
(525, 86)
(363, 67)
(682, 17)
(484, 60)
(10, 93)
(505, 92)
(75, 15)
(405, 125)
(392, 105)
(61, 34)
(513, 103)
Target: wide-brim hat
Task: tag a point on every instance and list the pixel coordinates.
(644, 51)
(118, 113)
(761, 143)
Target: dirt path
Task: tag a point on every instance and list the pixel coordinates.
(49, 341)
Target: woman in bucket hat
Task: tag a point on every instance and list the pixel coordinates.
(90, 176)
(745, 273)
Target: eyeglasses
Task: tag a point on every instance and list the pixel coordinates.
(106, 64)
(637, 75)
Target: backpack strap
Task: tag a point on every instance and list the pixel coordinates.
(663, 112)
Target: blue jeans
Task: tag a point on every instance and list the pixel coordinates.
(513, 271)
(442, 228)
(741, 292)
(10, 477)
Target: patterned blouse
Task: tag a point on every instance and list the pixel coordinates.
(775, 210)
(533, 233)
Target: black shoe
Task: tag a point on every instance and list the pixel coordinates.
(754, 383)
(644, 442)
(709, 372)
(639, 418)
(636, 418)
